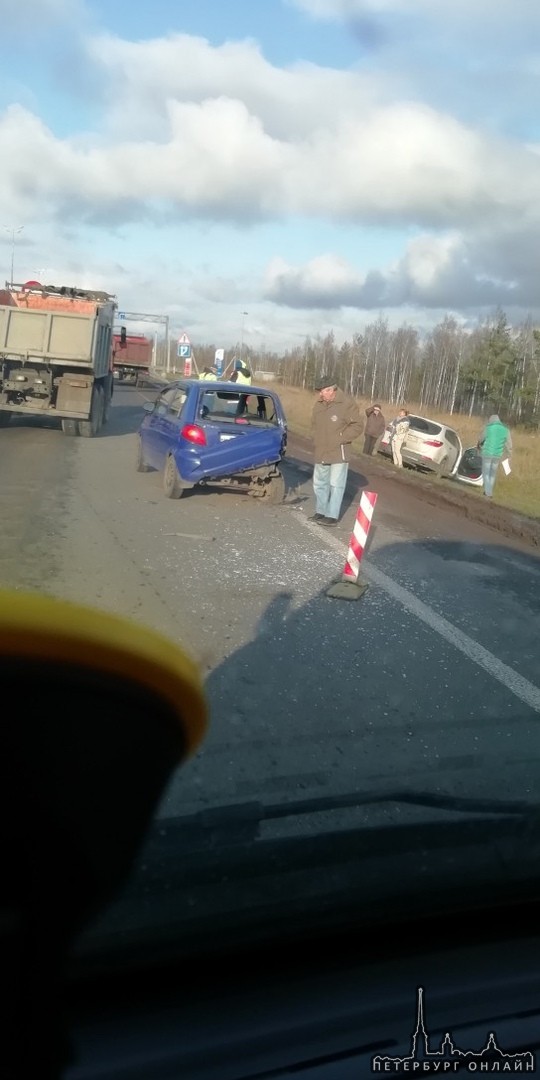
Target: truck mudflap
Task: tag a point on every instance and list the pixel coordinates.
(74, 394)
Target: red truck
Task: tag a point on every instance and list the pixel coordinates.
(132, 355)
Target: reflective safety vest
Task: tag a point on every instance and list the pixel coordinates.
(208, 375)
(242, 378)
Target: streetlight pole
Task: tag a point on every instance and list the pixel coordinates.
(243, 314)
(13, 232)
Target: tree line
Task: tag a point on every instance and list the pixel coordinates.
(492, 368)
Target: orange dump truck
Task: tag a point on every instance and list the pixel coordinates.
(56, 355)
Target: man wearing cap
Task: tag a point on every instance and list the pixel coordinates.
(335, 423)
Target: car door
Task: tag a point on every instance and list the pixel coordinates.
(469, 468)
(454, 450)
(162, 426)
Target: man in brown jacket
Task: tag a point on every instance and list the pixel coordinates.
(335, 422)
(375, 427)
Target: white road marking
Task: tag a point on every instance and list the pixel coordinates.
(515, 683)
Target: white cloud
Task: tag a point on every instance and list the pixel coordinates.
(186, 131)
(393, 164)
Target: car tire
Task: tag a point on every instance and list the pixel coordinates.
(172, 482)
(274, 493)
(140, 463)
(442, 467)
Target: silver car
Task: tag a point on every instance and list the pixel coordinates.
(428, 445)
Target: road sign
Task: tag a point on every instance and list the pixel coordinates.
(219, 360)
(184, 347)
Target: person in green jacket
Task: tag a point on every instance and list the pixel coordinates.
(495, 442)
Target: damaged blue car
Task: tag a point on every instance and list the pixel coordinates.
(211, 433)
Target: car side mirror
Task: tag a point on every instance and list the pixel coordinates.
(149, 406)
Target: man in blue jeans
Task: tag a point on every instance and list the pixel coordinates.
(494, 442)
(335, 423)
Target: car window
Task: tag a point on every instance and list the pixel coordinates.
(166, 399)
(452, 438)
(222, 405)
(416, 423)
(177, 402)
(426, 427)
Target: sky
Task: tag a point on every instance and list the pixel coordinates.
(271, 170)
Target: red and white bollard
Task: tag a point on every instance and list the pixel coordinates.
(349, 587)
(359, 535)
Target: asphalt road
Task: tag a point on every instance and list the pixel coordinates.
(430, 681)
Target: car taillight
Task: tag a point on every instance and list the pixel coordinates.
(433, 442)
(193, 434)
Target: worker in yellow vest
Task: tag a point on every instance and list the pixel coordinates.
(209, 373)
(241, 376)
(241, 373)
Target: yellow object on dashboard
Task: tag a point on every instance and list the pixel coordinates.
(38, 628)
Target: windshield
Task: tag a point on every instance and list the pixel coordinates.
(310, 240)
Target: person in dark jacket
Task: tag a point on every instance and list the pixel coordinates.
(495, 442)
(375, 427)
(335, 423)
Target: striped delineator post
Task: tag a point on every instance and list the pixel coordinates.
(359, 535)
(349, 587)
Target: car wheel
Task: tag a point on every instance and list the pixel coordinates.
(442, 466)
(172, 483)
(141, 465)
(274, 490)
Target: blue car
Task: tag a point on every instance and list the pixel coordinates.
(199, 432)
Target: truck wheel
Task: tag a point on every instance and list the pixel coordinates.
(274, 490)
(172, 483)
(70, 427)
(100, 394)
(140, 463)
(107, 392)
(89, 428)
